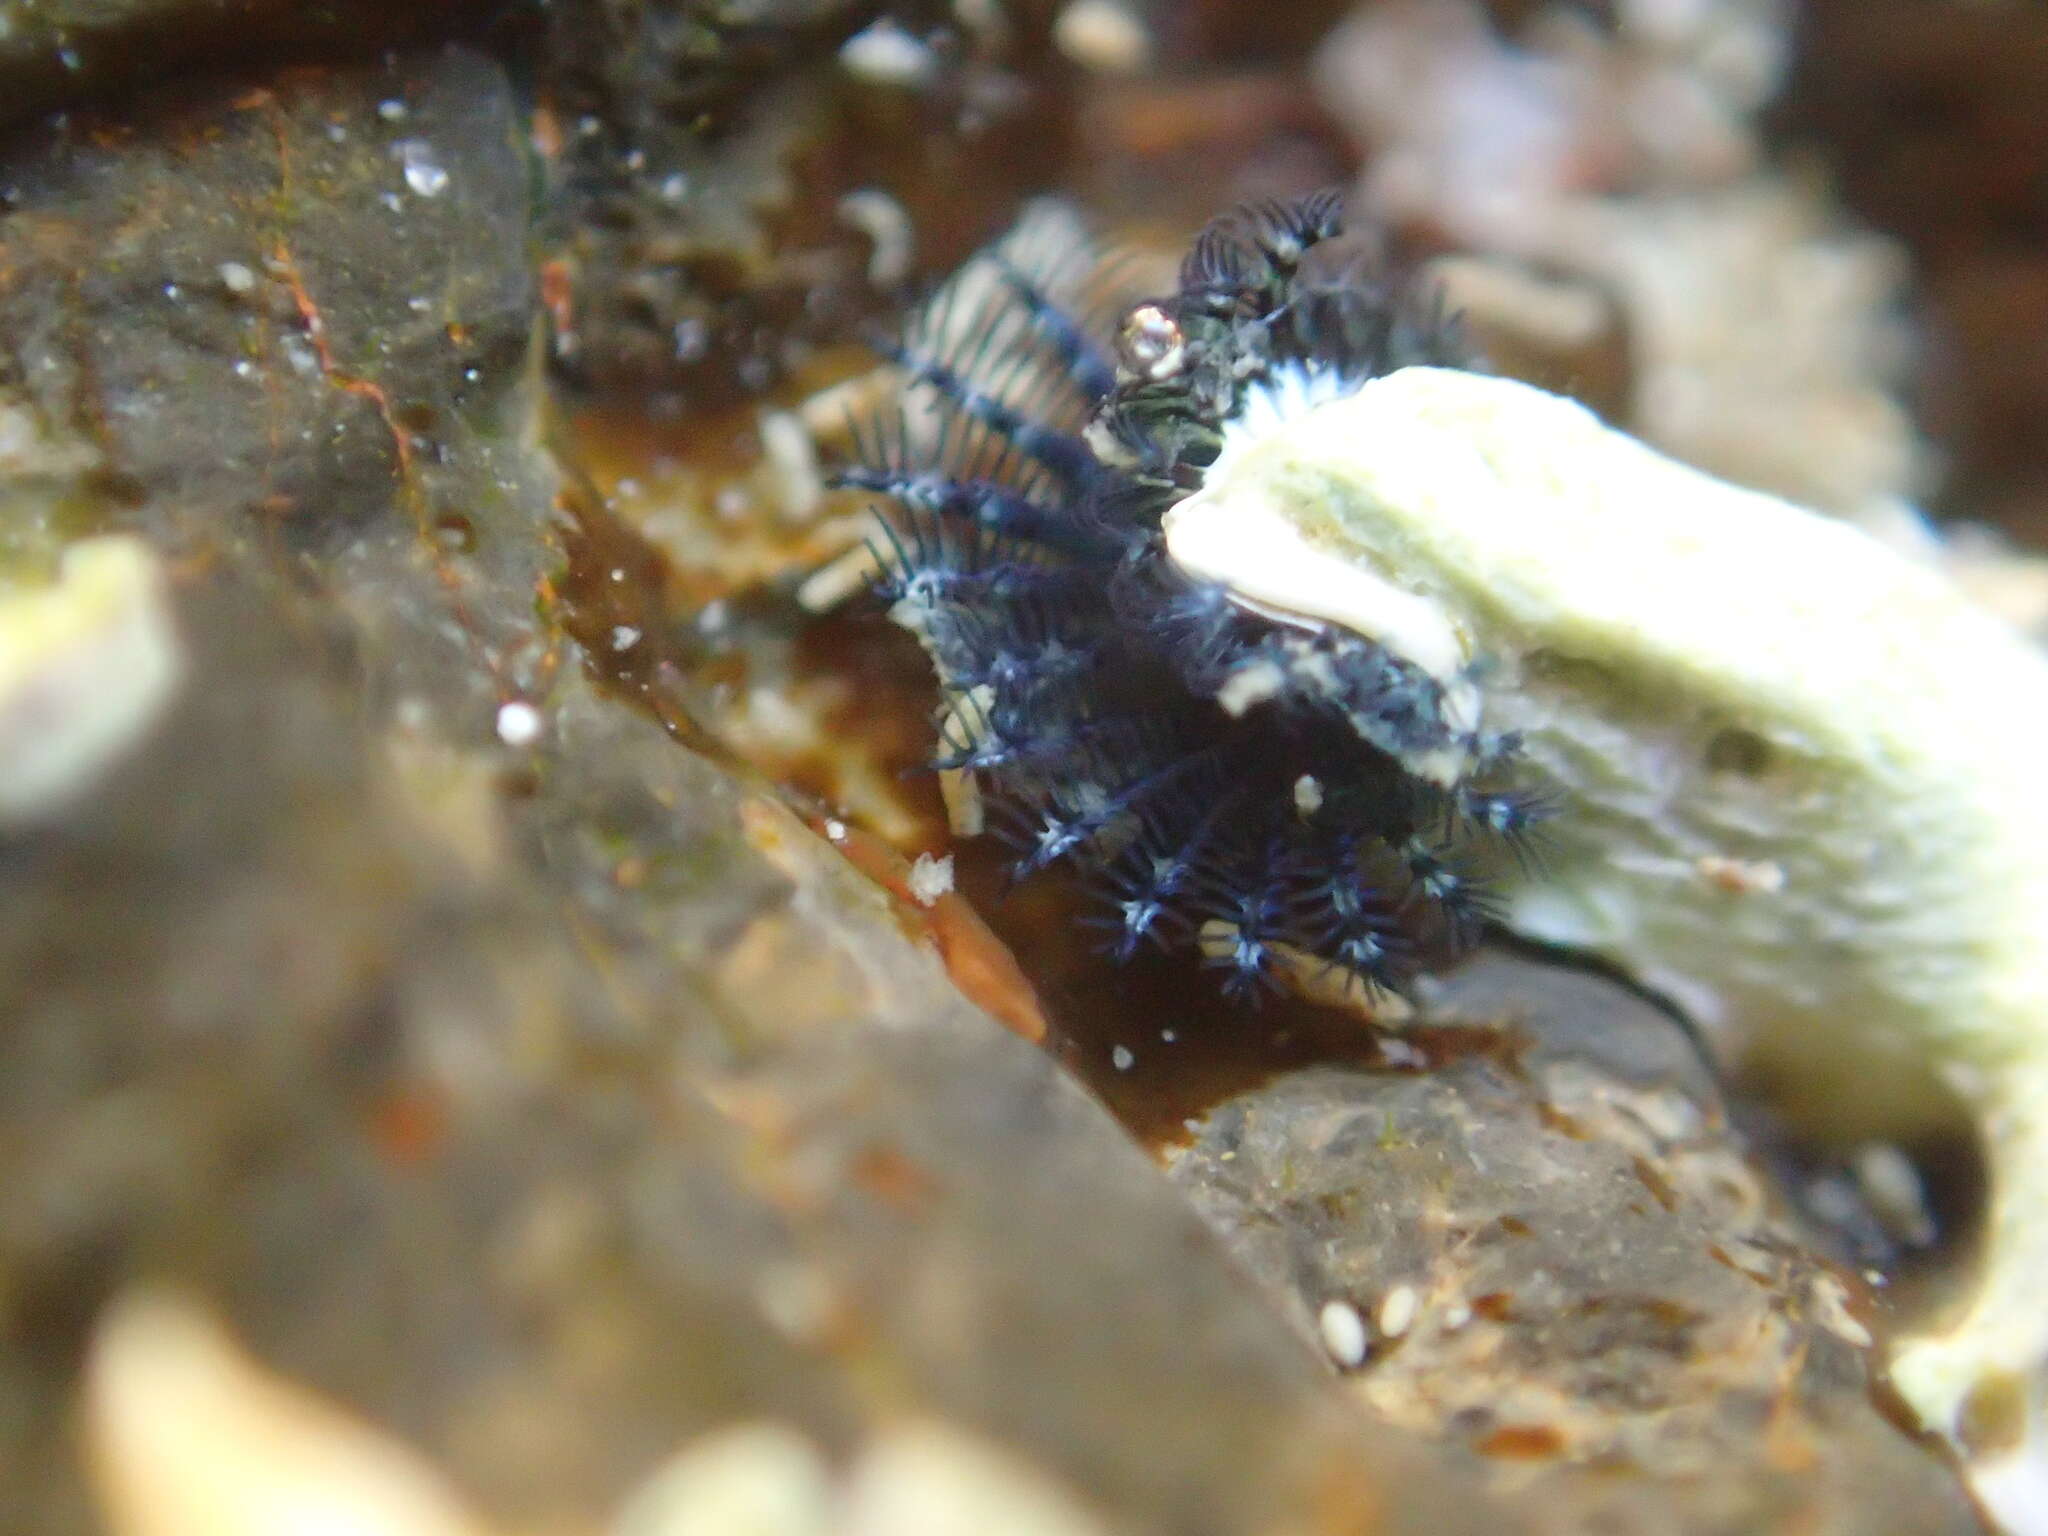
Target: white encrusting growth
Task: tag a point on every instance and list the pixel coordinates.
(1708, 679)
(1250, 544)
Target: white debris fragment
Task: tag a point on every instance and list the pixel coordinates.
(519, 724)
(1104, 36)
(1308, 795)
(930, 878)
(1121, 1057)
(885, 54)
(1397, 1311)
(423, 173)
(1343, 1332)
(891, 237)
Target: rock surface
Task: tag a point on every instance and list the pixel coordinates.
(520, 1078)
(1661, 1316)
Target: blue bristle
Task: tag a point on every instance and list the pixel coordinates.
(1255, 911)
(987, 504)
(1082, 356)
(1081, 669)
(1066, 456)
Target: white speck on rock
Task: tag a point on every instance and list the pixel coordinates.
(1308, 795)
(892, 239)
(624, 637)
(1121, 1058)
(423, 173)
(930, 878)
(1397, 1311)
(1104, 36)
(1343, 1332)
(236, 278)
(885, 54)
(519, 724)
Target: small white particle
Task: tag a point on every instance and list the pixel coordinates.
(423, 173)
(1308, 795)
(1104, 36)
(891, 238)
(1343, 1332)
(930, 878)
(392, 111)
(518, 724)
(236, 278)
(713, 616)
(887, 55)
(1397, 1311)
(301, 356)
(624, 637)
(1168, 1036)
(618, 573)
(835, 831)
(1253, 683)
(1456, 1316)
(173, 292)
(245, 369)
(1121, 1058)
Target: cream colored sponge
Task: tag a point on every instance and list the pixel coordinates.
(1798, 780)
